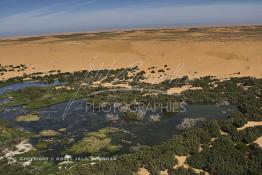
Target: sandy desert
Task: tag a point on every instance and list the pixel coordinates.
(196, 52)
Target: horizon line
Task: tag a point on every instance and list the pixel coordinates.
(129, 29)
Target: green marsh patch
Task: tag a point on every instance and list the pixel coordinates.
(8, 134)
(28, 118)
(39, 97)
(49, 133)
(97, 141)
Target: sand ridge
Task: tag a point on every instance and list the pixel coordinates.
(250, 124)
(259, 141)
(194, 56)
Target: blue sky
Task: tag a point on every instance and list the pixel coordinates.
(31, 17)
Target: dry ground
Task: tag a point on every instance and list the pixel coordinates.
(196, 52)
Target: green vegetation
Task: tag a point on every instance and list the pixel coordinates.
(221, 156)
(13, 169)
(247, 135)
(131, 116)
(27, 118)
(37, 97)
(41, 145)
(95, 142)
(226, 158)
(37, 166)
(49, 133)
(212, 127)
(11, 81)
(155, 158)
(234, 153)
(10, 135)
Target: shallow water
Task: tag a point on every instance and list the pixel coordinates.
(78, 121)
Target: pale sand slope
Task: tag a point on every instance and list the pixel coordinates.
(178, 90)
(259, 141)
(184, 57)
(253, 124)
(250, 124)
(142, 171)
(181, 163)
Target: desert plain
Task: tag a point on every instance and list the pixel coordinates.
(196, 52)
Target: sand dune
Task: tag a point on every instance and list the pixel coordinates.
(259, 141)
(211, 53)
(142, 171)
(178, 90)
(250, 124)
